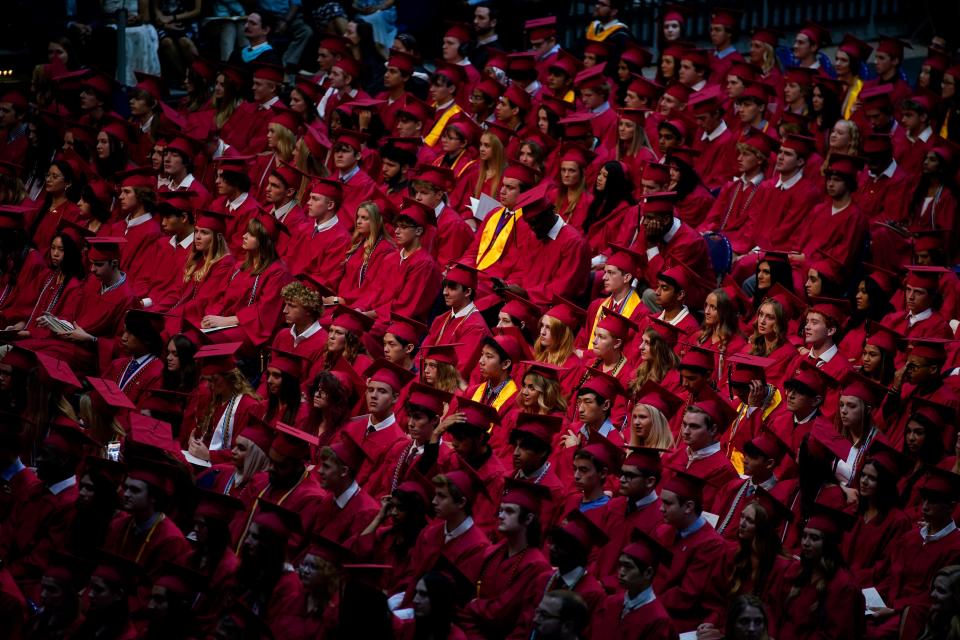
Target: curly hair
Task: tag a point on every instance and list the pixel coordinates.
(299, 293)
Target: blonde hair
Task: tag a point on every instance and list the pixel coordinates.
(238, 386)
(656, 368)
(563, 337)
(634, 146)
(852, 150)
(103, 428)
(376, 230)
(199, 264)
(551, 395)
(496, 163)
(448, 377)
(769, 59)
(284, 141)
(660, 436)
(562, 204)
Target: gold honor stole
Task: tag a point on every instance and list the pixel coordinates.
(601, 35)
(735, 455)
(508, 391)
(631, 303)
(441, 124)
(491, 249)
(852, 94)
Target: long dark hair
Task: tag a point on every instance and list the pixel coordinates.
(89, 528)
(944, 175)
(818, 574)
(71, 265)
(407, 531)
(266, 252)
(831, 111)
(99, 210)
(689, 178)
(341, 399)
(442, 594)
(886, 496)
(878, 304)
(115, 162)
(187, 376)
(765, 546)
(289, 395)
(780, 273)
(616, 191)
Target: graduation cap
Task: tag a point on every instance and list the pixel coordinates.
(802, 145)
(941, 483)
(440, 177)
(465, 480)
(428, 397)
(765, 445)
(215, 221)
(845, 164)
(654, 395)
(290, 363)
(760, 140)
(697, 357)
(566, 63)
(645, 459)
(462, 588)
(541, 427)
(117, 127)
(791, 304)
(477, 417)
(67, 569)
(111, 470)
(877, 143)
(747, 368)
(407, 329)
(217, 358)
(644, 88)
(327, 187)
(417, 486)
(67, 436)
(932, 414)
(351, 320)
(776, 509)
(545, 369)
(452, 72)
(420, 214)
(604, 452)
(583, 531)
(835, 309)
(269, 72)
(859, 386)
(635, 56)
(329, 551)
(517, 97)
(386, 372)
(810, 379)
(541, 28)
(685, 485)
(54, 370)
(930, 348)
(602, 384)
(156, 474)
(277, 520)
(151, 431)
(660, 202)
(104, 248)
(893, 47)
(645, 550)
(829, 521)
(181, 580)
(887, 456)
(317, 143)
(524, 311)
(618, 325)
(715, 406)
(824, 442)
(259, 432)
(568, 313)
(706, 102)
(336, 44)
(291, 442)
(507, 347)
(699, 57)
(883, 337)
(109, 393)
(116, 570)
(349, 452)
(404, 62)
(524, 493)
(462, 274)
(445, 353)
(416, 109)
(349, 65)
(816, 33)
(218, 506)
(924, 277)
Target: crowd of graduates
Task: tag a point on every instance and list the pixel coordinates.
(555, 350)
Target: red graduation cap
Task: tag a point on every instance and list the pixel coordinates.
(645, 550)
(566, 63)
(428, 397)
(349, 452)
(104, 248)
(459, 30)
(680, 92)
(541, 28)
(604, 452)
(637, 116)
(68, 436)
(110, 393)
(291, 442)
(659, 202)
(462, 274)
(644, 88)
(351, 320)
(155, 433)
(834, 308)
(747, 368)
(859, 386)
(329, 550)
(802, 76)
(111, 470)
(280, 521)
(714, 405)
(179, 579)
(619, 326)
(883, 337)
(591, 78)
(405, 328)
(506, 346)
(445, 353)
(706, 102)
(310, 90)
(808, 376)
(887, 456)
(932, 413)
(518, 97)
(336, 44)
(767, 445)
(577, 125)
(215, 221)
(489, 87)
(522, 309)
(452, 72)
(290, 363)
(845, 164)
(879, 143)
(644, 458)
(259, 432)
(404, 62)
(817, 34)
(416, 109)
(758, 91)
(729, 18)
(156, 474)
(440, 177)
(660, 398)
(327, 187)
(541, 427)
(635, 55)
(497, 59)
(685, 485)
(566, 312)
(384, 371)
(581, 529)
(699, 57)
(138, 177)
(680, 276)
(116, 570)
(269, 72)
(942, 483)
(924, 277)
(656, 172)
(745, 71)
(217, 358)
(829, 521)
(575, 152)
(350, 138)
(697, 357)
(317, 142)
(418, 213)
(349, 66)
(20, 358)
(466, 481)
(602, 384)
(893, 47)
(855, 48)
(803, 145)
(55, 370)
(524, 493)
(476, 416)
(624, 259)
(930, 348)
(153, 85)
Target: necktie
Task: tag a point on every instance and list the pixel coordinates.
(128, 372)
(343, 180)
(370, 430)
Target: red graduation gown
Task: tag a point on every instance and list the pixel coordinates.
(320, 254)
(695, 206)
(904, 576)
(466, 552)
(245, 410)
(840, 617)
(48, 223)
(587, 587)
(562, 266)
(486, 506)
(910, 154)
(196, 298)
(648, 622)
(734, 213)
(45, 292)
(246, 129)
(501, 586)
(865, 546)
(146, 377)
(255, 300)
(163, 541)
(717, 162)
(356, 190)
(841, 235)
(417, 285)
(237, 221)
(303, 498)
(38, 524)
(715, 469)
(451, 238)
(687, 247)
(466, 331)
(688, 584)
(785, 211)
(618, 523)
(882, 198)
(343, 524)
(376, 445)
(166, 279)
(137, 258)
(374, 288)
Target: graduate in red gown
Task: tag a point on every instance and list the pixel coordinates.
(685, 586)
(320, 249)
(364, 285)
(144, 533)
(246, 129)
(824, 601)
(171, 250)
(462, 325)
(451, 238)
(884, 192)
(137, 203)
(141, 369)
(234, 199)
(416, 271)
(357, 186)
(346, 509)
(638, 612)
(287, 483)
(761, 455)
(452, 535)
(716, 143)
